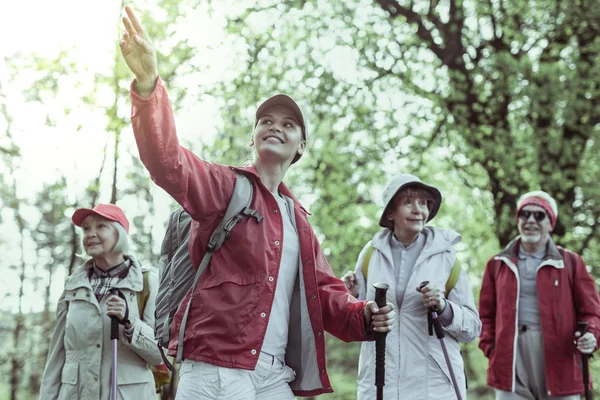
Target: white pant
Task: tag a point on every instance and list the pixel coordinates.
(202, 381)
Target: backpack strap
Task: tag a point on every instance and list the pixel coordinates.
(142, 297)
(568, 259)
(239, 206)
(453, 278)
(367, 260)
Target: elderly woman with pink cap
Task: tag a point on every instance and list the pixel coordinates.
(533, 295)
(405, 253)
(111, 283)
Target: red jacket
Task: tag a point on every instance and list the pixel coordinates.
(229, 315)
(565, 297)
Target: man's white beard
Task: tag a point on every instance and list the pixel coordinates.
(531, 238)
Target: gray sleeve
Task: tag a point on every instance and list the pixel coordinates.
(465, 324)
(143, 341)
(447, 315)
(360, 278)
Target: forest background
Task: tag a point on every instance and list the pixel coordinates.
(485, 99)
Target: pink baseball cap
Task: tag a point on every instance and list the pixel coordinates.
(108, 211)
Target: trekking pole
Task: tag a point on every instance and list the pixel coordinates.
(582, 328)
(434, 322)
(114, 337)
(380, 299)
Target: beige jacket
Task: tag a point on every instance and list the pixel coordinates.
(80, 357)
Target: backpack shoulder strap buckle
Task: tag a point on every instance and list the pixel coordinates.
(253, 214)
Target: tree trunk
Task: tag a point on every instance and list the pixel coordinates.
(16, 361)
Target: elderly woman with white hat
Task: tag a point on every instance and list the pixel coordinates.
(404, 254)
(80, 358)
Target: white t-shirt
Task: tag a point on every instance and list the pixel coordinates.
(276, 336)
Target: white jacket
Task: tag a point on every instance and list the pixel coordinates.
(80, 357)
(415, 367)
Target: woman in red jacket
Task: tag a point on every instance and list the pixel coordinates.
(532, 296)
(255, 329)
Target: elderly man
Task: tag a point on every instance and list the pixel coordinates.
(532, 296)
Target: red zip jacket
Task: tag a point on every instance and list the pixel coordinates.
(564, 298)
(229, 315)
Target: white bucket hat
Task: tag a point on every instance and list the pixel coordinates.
(402, 181)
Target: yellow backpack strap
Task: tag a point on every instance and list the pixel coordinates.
(453, 278)
(142, 297)
(367, 260)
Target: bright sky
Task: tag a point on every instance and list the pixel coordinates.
(88, 31)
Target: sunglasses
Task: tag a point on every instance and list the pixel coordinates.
(537, 215)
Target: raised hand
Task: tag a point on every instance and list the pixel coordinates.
(137, 50)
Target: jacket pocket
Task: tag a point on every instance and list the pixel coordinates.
(438, 376)
(238, 295)
(135, 384)
(134, 391)
(224, 278)
(68, 382)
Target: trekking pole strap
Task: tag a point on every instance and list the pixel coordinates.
(164, 358)
(436, 323)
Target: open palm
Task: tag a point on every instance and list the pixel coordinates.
(137, 49)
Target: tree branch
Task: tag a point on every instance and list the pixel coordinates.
(395, 10)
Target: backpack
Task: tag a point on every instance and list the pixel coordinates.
(450, 283)
(177, 275)
(161, 373)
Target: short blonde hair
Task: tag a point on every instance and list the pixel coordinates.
(122, 246)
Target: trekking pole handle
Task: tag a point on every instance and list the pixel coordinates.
(582, 327)
(380, 293)
(114, 322)
(114, 328)
(432, 318)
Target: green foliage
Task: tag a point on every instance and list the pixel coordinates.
(483, 100)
